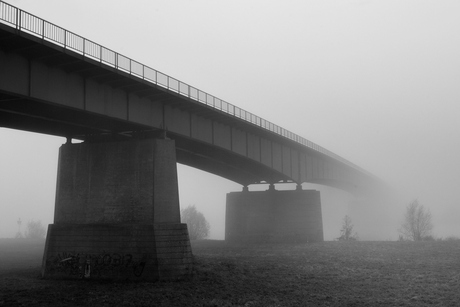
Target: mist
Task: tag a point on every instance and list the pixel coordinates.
(375, 82)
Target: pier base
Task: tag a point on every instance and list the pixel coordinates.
(274, 216)
(117, 214)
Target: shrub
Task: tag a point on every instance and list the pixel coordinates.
(417, 223)
(346, 233)
(198, 227)
(35, 230)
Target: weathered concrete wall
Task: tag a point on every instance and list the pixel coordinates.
(118, 251)
(118, 182)
(274, 216)
(117, 213)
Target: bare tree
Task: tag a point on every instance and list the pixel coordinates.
(35, 230)
(417, 223)
(346, 233)
(198, 227)
(19, 233)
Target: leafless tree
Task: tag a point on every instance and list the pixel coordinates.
(19, 233)
(35, 230)
(198, 227)
(346, 233)
(417, 223)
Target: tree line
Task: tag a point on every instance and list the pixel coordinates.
(416, 225)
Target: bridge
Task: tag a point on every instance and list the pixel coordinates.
(56, 82)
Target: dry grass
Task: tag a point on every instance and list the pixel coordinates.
(320, 274)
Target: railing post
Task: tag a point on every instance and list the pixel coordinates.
(18, 19)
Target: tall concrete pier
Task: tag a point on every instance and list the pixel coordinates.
(268, 216)
(117, 213)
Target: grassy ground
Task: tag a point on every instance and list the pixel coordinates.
(319, 274)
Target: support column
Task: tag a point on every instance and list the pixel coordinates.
(117, 213)
(270, 216)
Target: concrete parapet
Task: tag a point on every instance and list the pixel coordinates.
(274, 216)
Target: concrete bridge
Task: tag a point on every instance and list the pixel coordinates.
(120, 184)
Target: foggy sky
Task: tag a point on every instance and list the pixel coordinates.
(375, 82)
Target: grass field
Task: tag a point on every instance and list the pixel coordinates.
(315, 274)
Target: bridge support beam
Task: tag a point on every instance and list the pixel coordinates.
(271, 216)
(117, 214)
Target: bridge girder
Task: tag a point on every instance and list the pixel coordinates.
(94, 100)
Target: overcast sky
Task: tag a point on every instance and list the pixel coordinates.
(376, 82)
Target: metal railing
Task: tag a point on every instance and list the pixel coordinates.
(25, 22)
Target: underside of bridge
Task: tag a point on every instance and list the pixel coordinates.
(49, 89)
(30, 100)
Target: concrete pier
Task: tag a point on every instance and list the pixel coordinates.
(274, 216)
(117, 213)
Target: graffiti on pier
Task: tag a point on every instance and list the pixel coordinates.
(85, 265)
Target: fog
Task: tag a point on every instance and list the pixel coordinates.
(375, 82)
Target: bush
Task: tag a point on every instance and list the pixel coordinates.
(346, 233)
(35, 230)
(417, 224)
(198, 227)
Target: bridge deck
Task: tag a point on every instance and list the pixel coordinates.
(57, 82)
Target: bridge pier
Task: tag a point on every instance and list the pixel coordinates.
(274, 216)
(117, 213)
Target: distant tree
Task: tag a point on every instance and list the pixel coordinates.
(198, 227)
(19, 233)
(35, 230)
(417, 223)
(452, 238)
(346, 233)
